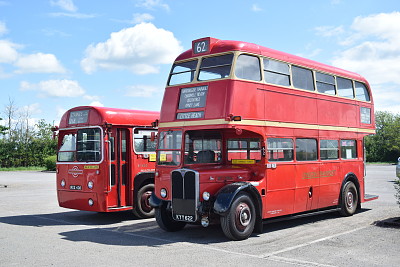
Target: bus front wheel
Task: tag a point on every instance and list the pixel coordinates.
(349, 199)
(165, 221)
(143, 209)
(238, 223)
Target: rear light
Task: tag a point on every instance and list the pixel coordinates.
(90, 185)
(62, 183)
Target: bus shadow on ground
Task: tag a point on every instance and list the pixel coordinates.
(149, 234)
(69, 218)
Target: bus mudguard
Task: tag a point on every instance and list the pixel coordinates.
(154, 201)
(227, 194)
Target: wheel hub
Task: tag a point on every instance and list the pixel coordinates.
(243, 215)
(349, 199)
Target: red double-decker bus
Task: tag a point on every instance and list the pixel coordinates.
(248, 133)
(105, 160)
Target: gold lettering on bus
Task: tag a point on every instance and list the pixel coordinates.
(316, 175)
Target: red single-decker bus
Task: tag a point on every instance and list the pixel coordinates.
(248, 133)
(105, 160)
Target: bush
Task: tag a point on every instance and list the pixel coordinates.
(50, 163)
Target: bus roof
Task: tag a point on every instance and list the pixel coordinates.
(221, 46)
(91, 115)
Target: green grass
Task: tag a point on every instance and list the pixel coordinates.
(23, 169)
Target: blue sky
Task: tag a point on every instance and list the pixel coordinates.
(58, 54)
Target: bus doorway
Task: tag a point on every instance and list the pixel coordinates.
(119, 166)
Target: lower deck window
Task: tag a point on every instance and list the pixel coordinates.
(280, 149)
(247, 149)
(329, 149)
(306, 149)
(348, 149)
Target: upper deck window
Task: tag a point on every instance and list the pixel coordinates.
(345, 87)
(276, 72)
(182, 72)
(361, 92)
(325, 83)
(215, 67)
(248, 67)
(302, 78)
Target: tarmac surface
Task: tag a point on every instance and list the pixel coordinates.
(35, 231)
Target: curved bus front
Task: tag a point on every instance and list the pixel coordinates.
(104, 167)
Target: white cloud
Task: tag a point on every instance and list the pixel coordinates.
(376, 53)
(3, 28)
(139, 49)
(255, 8)
(67, 5)
(329, 31)
(73, 15)
(139, 18)
(8, 51)
(54, 88)
(152, 4)
(141, 90)
(39, 63)
(96, 104)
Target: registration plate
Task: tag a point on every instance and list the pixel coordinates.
(75, 187)
(184, 218)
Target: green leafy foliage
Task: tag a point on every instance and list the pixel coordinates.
(29, 147)
(384, 146)
(50, 163)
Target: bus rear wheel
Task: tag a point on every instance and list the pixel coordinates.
(349, 199)
(238, 223)
(143, 209)
(165, 221)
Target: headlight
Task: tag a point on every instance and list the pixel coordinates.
(163, 192)
(206, 195)
(90, 184)
(90, 202)
(62, 182)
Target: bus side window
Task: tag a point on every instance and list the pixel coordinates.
(329, 149)
(325, 83)
(348, 149)
(276, 72)
(280, 149)
(361, 92)
(248, 67)
(302, 78)
(345, 87)
(306, 149)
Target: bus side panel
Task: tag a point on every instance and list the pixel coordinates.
(336, 113)
(295, 108)
(307, 186)
(330, 183)
(280, 195)
(244, 93)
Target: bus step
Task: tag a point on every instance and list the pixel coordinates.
(368, 197)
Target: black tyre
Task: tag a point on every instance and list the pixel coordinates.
(143, 209)
(348, 199)
(165, 221)
(238, 223)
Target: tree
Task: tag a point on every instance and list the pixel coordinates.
(385, 144)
